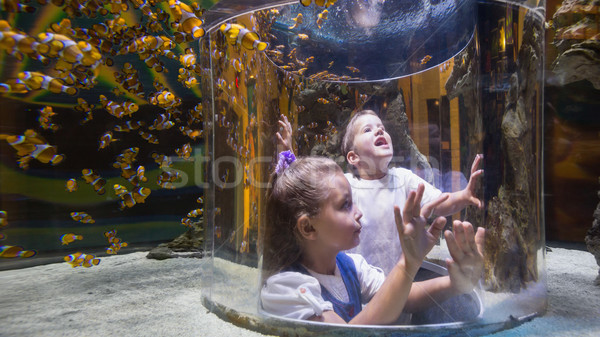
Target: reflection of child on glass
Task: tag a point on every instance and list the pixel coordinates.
(311, 219)
(376, 189)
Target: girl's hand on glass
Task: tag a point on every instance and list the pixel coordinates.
(284, 136)
(466, 248)
(416, 241)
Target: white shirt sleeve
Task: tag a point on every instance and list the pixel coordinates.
(293, 295)
(370, 277)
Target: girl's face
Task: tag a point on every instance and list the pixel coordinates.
(337, 224)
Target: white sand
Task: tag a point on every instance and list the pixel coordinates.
(129, 295)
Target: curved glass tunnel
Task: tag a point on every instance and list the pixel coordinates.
(450, 79)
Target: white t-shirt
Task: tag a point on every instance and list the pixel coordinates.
(296, 295)
(379, 242)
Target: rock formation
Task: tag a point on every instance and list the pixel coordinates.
(513, 233)
(188, 244)
(577, 41)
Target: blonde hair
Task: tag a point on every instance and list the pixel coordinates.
(296, 191)
(350, 133)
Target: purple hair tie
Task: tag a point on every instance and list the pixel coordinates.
(285, 159)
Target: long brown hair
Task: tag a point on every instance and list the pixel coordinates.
(298, 190)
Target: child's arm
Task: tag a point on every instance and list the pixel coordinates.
(461, 199)
(388, 303)
(464, 269)
(284, 137)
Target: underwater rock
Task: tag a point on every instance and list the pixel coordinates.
(511, 239)
(580, 62)
(592, 239)
(574, 21)
(188, 244)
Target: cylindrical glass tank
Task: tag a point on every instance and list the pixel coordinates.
(449, 79)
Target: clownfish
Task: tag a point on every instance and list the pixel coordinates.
(71, 185)
(105, 140)
(120, 190)
(297, 20)
(59, 45)
(36, 81)
(188, 60)
(320, 3)
(189, 132)
(45, 119)
(116, 109)
(195, 213)
(150, 138)
(115, 247)
(32, 146)
(94, 179)
(137, 196)
(237, 65)
(15, 251)
(162, 122)
(83, 106)
(70, 237)
(82, 217)
(187, 222)
(166, 178)
(128, 126)
(3, 223)
(425, 59)
(115, 243)
(81, 260)
(185, 151)
(236, 33)
(126, 158)
(161, 159)
(145, 7)
(321, 17)
(186, 20)
(165, 99)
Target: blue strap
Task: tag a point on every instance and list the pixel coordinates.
(346, 310)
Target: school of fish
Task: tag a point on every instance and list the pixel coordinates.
(75, 56)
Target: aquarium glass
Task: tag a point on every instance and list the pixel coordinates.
(449, 79)
(125, 125)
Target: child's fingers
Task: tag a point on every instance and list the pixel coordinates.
(437, 226)
(459, 234)
(407, 211)
(279, 139)
(480, 240)
(476, 162)
(470, 236)
(417, 203)
(429, 209)
(455, 251)
(285, 127)
(398, 218)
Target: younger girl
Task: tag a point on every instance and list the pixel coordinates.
(311, 220)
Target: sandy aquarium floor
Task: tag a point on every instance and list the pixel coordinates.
(130, 295)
